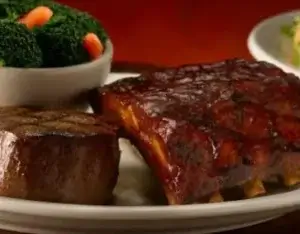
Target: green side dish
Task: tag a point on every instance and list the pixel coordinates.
(290, 43)
(57, 43)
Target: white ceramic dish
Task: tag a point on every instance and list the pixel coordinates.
(264, 40)
(134, 212)
(52, 86)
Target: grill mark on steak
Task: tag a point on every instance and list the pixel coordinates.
(50, 120)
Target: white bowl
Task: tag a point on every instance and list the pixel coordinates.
(264, 41)
(53, 86)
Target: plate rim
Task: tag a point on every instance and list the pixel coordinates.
(92, 212)
(287, 199)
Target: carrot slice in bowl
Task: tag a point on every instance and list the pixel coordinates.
(37, 17)
(93, 45)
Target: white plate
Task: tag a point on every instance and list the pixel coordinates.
(264, 40)
(134, 212)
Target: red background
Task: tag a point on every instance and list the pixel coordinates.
(171, 32)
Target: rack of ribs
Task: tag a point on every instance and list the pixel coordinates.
(206, 128)
(57, 156)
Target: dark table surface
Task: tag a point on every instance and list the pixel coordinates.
(289, 223)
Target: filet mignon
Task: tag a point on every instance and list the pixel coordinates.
(57, 155)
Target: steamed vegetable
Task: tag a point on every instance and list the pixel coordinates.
(62, 39)
(18, 46)
(66, 36)
(290, 42)
(37, 17)
(15, 9)
(93, 45)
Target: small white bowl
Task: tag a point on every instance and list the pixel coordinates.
(53, 86)
(264, 41)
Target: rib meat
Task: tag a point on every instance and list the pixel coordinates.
(57, 156)
(206, 128)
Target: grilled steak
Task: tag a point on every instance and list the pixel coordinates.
(57, 156)
(206, 128)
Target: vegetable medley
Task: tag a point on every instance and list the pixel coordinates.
(44, 33)
(290, 42)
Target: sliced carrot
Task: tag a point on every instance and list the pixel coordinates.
(37, 17)
(93, 45)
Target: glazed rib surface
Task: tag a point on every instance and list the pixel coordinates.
(208, 127)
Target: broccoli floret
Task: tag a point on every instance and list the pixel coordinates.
(18, 46)
(61, 39)
(14, 9)
(87, 23)
(6, 11)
